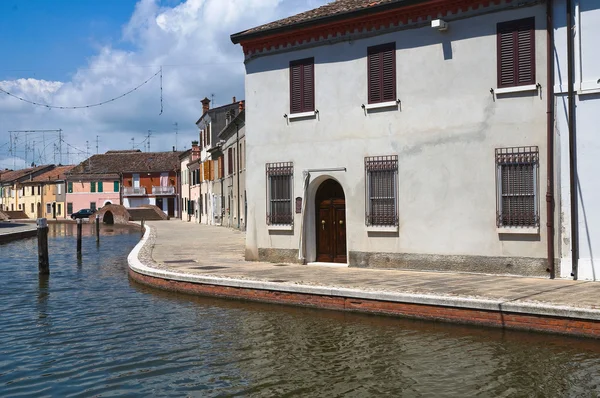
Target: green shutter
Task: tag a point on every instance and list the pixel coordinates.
(100, 186)
(116, 186)
(70, 187)
(69, 207)
(93, 186)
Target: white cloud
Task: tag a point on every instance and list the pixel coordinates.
(190, 40)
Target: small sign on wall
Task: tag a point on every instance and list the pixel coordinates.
(298, 205)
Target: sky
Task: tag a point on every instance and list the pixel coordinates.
(74, 53)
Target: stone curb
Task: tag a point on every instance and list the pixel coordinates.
(140, 261)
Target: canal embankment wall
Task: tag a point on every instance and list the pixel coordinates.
(557, 317)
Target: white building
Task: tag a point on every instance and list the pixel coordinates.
(233, 142)
(208, 169)
(585, 21)
(384, 136)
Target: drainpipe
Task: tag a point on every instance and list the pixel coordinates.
(550, 137)
(237, 153)
(572, 143)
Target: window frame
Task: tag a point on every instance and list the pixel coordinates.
(513, 28)
(274, 172)
(517, 156)
(380, 49)
(385, 164)
(303, 64)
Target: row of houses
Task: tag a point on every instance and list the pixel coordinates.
(129, 177)
(433, 135)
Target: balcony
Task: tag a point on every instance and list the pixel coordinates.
(163, 190)
(134, 191)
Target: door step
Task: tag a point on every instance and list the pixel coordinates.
(328, 264)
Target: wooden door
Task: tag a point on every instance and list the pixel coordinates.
(171, 207)
(330, 206)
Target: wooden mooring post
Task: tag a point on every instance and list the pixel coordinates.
(142, 227)
(42, 236)
(79, 237)
(97, 228)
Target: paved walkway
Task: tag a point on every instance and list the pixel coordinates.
(15, 230)
(195, 253)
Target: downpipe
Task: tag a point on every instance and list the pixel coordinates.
(550, 138)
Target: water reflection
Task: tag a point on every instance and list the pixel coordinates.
(87, 329)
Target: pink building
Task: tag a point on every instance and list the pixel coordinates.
(92, 191)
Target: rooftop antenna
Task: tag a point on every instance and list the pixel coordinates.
(97, 144)
(132, 143)
(176, 131)
(148, 137)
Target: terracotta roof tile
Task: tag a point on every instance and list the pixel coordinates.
(334, 8)
(17, 174)
(57, 173)
(114, 162)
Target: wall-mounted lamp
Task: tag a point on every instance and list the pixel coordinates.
(439, 24)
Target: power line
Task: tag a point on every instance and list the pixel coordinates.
(85, 106)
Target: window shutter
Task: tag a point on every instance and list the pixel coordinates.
(296, 89)
(302, 85)
(516, 53)
(308, 88)
(381, 65)
(525, 53)
(374, 78)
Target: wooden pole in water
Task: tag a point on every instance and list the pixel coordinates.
(42, 235)
(142, 226)
(97, 228)
(79, 237)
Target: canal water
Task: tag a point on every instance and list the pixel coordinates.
(87, 330)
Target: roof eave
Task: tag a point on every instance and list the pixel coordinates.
(237, 38)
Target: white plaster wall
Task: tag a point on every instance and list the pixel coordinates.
(445, 134)
(587, 119)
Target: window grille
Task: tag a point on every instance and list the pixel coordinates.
(381, 177)
(517, 186)
(279, 193)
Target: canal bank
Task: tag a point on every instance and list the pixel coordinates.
(205, 260)
(10, 231)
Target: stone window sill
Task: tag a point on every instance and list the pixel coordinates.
(382, 228)
(516, 89)
(518, 230)
(380, 105)
(280, 227)
(301, 115)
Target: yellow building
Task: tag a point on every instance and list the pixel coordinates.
(53, 184)
(19, 193)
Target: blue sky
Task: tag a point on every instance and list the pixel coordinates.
(80, 52)
(51, 39)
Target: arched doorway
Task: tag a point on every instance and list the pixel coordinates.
(108, 218)
(330, 223)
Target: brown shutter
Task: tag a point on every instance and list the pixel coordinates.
(295, 88)
(516, 53)
(302, 85)
(308, 92)
(381, 64)
(526, 52)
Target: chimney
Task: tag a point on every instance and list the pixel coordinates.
(241, 106)
(205, 105)
(233, 102)
(195, 151)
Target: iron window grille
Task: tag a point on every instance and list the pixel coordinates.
(516, 52)
(517, 187)
(280, 177)
(381, 177)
